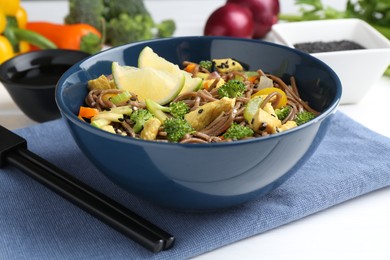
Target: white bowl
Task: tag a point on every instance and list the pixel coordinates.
(358, 70)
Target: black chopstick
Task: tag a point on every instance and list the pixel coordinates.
(13, 150)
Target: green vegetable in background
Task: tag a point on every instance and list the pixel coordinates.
(312, 10)
(86, 11)
(126, 21)
(130, 7)
(374, 12)
(166, 28)
(125, 29)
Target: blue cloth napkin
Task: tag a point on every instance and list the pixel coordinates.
(37, 223)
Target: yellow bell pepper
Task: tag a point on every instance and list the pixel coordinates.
(13, 21)
(21, 17)
(3, 21)
(24, 47)
(9, 7)
(6, 49)
(266, 91)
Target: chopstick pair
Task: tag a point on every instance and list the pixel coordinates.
(13, 151)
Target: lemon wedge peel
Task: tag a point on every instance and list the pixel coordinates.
(148, 58)
(158, 85)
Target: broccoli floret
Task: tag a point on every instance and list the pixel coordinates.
(130, 21)
(119, 21)
(125, 29)
(138, 118)
(282, 112)
(114, 8)
(232, 89)
(176, 109)
(176, 128)
(166, 28)
(304, 117)
(86, 11)
(237, 132)
(206, 64)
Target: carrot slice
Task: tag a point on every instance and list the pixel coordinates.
(87, 112)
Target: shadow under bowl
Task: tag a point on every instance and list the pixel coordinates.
(197, 177)
(31, 78)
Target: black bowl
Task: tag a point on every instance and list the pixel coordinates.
(31, 78)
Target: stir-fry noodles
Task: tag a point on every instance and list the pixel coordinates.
(229, 104)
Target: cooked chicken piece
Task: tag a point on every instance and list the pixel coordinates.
(270, 109)
(264, 121)
(204, 115)
(208, 82)
(287, 125)
(227, 65)
(101, 82)
(150, 130)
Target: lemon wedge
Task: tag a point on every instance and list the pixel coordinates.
(149, 59)
(148, 83)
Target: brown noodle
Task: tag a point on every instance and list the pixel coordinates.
(212, 132)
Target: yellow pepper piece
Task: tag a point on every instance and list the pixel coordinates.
(266, 91)
(6, 50)
(3, 21)
(24, 47)
(21, 17)
(9, 7)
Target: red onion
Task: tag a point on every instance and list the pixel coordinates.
(265, 14)
(230, 20)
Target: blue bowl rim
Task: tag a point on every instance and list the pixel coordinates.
(114, 137)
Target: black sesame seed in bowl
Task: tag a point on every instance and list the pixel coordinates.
(328, 46)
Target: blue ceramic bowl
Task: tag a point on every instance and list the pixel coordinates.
(203, 176)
